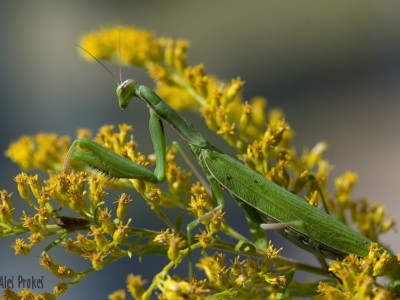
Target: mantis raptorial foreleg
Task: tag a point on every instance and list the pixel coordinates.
(116, 166)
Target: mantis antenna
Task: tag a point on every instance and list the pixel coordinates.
(119, 56)
(108, 70)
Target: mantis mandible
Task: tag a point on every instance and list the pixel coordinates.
(261, 199)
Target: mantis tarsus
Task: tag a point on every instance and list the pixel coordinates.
(262, 200)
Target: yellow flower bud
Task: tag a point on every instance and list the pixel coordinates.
(135, 286)
(122, 209)
(175, 243)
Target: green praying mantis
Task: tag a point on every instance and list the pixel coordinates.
(264, 202)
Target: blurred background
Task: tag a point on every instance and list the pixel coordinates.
(333, 68)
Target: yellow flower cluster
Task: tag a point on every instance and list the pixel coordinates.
(43, 151)
(357, 277)
(371, 218)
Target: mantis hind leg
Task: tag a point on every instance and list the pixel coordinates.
(309, 244)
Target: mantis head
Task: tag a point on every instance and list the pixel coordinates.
(126, 91)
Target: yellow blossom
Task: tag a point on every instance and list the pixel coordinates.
(122, 209)
(174, 289)
(134, 285)
(20, 247)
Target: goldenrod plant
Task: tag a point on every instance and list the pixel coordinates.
(102, 231)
